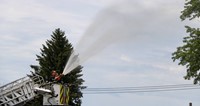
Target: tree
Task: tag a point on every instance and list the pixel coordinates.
(189, 54)
(54, 56)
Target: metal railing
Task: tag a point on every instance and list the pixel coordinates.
(19, 91)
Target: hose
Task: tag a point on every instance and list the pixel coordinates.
(50, 98)
(49, 101)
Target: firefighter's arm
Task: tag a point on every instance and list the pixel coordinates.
(58, 77)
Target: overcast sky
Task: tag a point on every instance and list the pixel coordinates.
(135, 61)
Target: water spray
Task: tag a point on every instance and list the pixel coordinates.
(123, 22)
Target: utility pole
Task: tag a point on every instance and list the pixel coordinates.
(190, 104)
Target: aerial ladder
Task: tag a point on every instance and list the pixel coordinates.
(23, 90)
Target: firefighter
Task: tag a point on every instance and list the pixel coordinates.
(55, 75)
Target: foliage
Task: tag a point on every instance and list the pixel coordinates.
(191, 10)
(189, 54)
(54, 56)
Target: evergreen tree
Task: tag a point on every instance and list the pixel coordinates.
(54, 56)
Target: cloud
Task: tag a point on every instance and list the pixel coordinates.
(25, 25)
(48, 13)
(125, 58)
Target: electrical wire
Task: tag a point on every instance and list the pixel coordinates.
(140, 89)
(144, 87)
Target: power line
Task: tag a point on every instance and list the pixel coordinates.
(144, 87)
(140, 89)
(158, 90)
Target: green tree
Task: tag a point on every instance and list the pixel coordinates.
(54, 56)
(189, 54)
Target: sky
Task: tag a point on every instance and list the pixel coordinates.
(128, 61)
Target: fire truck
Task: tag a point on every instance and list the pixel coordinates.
(26, 89)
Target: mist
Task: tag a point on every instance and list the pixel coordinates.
(123, 22)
